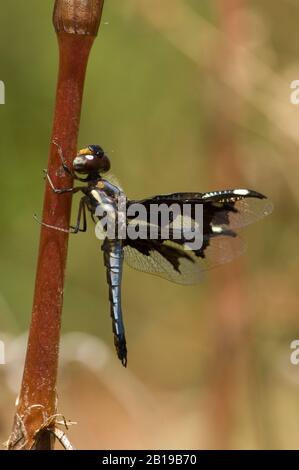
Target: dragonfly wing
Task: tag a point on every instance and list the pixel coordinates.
(171, 261)
(167, 260)
(229, 209)
(238, 213)
(224, 212)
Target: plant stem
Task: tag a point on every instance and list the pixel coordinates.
(76, 23)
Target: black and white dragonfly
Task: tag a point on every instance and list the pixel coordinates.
(223, 214)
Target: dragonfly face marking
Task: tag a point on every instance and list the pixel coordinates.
(224, 213)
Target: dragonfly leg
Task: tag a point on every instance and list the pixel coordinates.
(93, 218)
(56, 190)
(65, 166)
(60, 190)
(71, 229)
(63, 162)
(60, 229)
(81, 212)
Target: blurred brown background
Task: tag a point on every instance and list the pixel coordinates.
(184, 96)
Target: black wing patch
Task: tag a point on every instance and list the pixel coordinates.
(164, 259)
(223, 213)
(170, 261)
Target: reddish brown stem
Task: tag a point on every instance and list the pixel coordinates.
(76, 23)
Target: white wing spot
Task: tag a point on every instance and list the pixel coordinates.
(217, 229)
(241, 192)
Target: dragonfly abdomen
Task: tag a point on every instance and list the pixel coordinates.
(113, 259)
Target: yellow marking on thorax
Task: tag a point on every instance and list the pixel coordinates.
(101, 185)
(96, 195)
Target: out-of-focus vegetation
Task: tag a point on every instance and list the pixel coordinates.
(168, 94)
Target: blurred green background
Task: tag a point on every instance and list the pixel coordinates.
(184, 96)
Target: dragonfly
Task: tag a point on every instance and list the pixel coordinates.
(171, 257)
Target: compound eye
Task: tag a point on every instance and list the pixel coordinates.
(96, 150)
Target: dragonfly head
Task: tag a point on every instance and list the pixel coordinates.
(91, 159)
